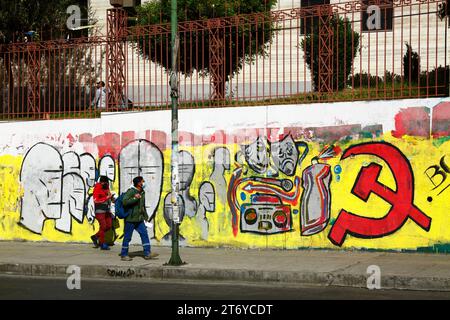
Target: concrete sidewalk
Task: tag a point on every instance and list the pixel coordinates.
(413, 271)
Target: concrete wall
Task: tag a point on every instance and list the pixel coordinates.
(344, 175)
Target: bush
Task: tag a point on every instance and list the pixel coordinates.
(364, 79)
(343, 55)
(392, 78)
(438, 80)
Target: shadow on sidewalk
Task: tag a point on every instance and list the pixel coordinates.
(135, 254)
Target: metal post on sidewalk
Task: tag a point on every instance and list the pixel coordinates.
(175, 259)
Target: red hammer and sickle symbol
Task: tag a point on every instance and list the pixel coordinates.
(367, 183)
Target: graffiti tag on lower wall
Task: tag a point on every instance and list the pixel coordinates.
(122, 273)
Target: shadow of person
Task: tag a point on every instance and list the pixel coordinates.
(135, 254)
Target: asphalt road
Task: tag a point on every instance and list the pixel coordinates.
(40, 288)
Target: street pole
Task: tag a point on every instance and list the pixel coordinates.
(175, 259)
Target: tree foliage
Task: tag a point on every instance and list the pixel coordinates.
(240, 44)
(48, 21)
(345, 46)
(411, 65)
(20, 16)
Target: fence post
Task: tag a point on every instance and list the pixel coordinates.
(217, 59)
(115, 58)
(325, 81)
(34, 66)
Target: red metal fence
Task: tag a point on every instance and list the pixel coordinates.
(340, 52)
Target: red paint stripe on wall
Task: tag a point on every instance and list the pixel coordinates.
(413, 121)
(86, 137)
(441, 120)
(159, 138)
(127, 137)
(108, 143)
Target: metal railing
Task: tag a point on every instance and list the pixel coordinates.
(340, 52)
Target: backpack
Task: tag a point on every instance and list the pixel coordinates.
(120, 211)
(111, 235)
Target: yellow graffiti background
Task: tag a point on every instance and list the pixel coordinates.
(422, 153)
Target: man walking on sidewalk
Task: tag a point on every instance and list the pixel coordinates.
(134, 200)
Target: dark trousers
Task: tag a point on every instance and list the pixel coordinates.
(105, 222)
(128, 233)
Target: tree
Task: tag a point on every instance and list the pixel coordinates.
(344, 47)
(411, 65)
(47, 18)
(40, 21)
(443, 10)
(20, 16)
(242, 43)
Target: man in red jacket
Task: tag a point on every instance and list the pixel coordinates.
(102, 200)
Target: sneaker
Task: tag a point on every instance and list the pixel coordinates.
(95, 241)
(151, 256)
(126, 258)
(104, 247)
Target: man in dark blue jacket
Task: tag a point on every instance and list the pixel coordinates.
(134, 200)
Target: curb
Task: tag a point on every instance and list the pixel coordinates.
(229, 275)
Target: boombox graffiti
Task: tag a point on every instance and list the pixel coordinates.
(271, 198)
(265, 214)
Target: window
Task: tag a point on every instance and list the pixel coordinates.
(377, 17)
(308, 23)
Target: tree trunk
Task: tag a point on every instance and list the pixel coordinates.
(9, 74)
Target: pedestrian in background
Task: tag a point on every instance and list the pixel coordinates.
(100, 96)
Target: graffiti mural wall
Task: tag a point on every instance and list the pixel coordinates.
(371, 175)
